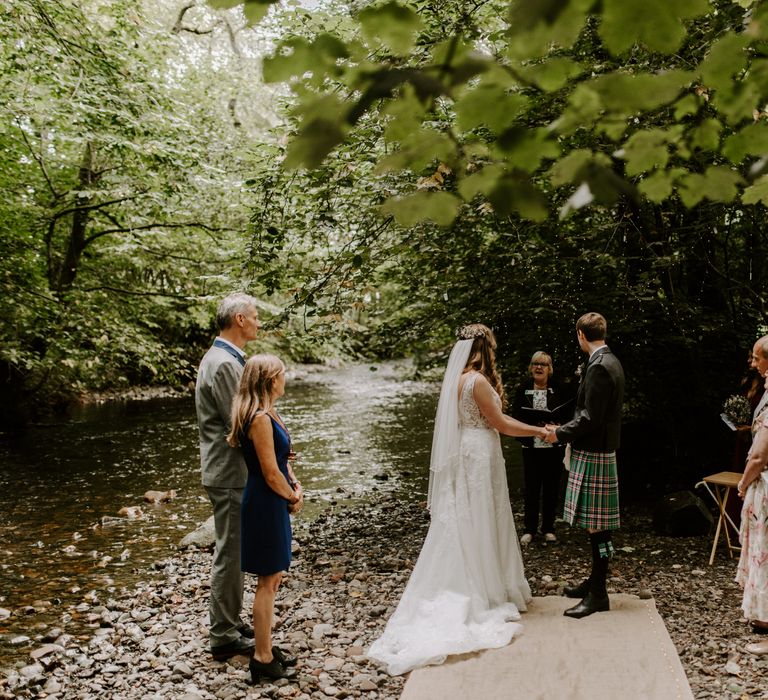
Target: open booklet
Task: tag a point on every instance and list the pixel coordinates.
(540, 416)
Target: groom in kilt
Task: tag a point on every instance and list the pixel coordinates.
(592, 494)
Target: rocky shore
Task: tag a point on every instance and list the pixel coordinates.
(349, 569)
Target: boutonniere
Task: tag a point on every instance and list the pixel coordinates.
(580, 370)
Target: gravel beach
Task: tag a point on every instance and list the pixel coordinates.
(350, 566)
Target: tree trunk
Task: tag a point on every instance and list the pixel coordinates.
(76, 241)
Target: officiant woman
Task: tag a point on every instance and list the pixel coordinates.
(542, 462)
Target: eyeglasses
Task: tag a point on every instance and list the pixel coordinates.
(540, 364)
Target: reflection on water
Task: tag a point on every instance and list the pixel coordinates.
(352, 428)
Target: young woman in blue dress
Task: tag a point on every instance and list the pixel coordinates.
(271, 494)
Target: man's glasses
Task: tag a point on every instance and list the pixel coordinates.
(540, 364)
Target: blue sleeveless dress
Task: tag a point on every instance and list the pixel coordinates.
(265, 543)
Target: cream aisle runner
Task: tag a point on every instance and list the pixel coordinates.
(624, 654)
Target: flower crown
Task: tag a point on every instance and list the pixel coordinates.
(470, 332)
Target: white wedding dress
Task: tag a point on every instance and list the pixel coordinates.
(468, 584)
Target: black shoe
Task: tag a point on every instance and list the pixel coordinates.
(283, 658)
(579, 591)
(273, 670)
(245, 630)
(758, 629)
(239, 646)
(590, 604)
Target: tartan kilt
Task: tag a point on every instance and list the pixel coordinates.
(592, 493)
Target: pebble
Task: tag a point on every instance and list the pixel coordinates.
(151, 643)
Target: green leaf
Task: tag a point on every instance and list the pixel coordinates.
(491, 106)
(255, 10)
(718, 184)
(481, 182)
(551, 74)
(224, 4)
(537, 27)
(525, 148)
(656, 24)
(569, 170)
(392, 26)
(706, 136)
(420, 149)
(440, 207)
(406, 113)
(751, 140)
(757, 192)
(658, 186)
(737, 101)
(646, 150)
(685, 106)
(727, 57)
(626, 93)
(293, 57)
(313, 143)
(516, 193)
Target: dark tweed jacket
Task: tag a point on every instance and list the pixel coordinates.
(596, 423)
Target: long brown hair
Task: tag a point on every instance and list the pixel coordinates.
(482, 356)
(254, 394)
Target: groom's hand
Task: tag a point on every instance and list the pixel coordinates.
(551, 434)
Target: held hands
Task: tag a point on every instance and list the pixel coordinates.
(297, 504)
(551, 435)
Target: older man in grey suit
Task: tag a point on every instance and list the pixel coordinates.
(224, 470)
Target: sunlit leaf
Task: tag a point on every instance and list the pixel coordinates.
(660, 185)
(718, 184)
(569, 168)
(313, 143)
(551, 74)
(491, 106)
(656, 24)
(391, 25)
(440, 207)
(481, 182)
(646, 150)
(751, 140)
(757, 192)
(535, 27)
(706, 135)
(726, 58)
(419, 149)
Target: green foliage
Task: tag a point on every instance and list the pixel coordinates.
(434, 204)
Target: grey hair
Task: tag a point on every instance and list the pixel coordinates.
(229, 307)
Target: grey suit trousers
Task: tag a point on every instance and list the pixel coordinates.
(226, 577)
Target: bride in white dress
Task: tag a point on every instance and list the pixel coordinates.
(468, 585)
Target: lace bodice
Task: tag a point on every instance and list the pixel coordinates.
(469, 412)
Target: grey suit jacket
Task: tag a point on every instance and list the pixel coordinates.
(217, 381)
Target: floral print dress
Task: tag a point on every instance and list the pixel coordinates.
(752, 572)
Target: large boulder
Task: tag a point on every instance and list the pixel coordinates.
(682, 514)
(203, 538)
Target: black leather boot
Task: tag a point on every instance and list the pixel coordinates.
(591, 604)
(596, 598)
(579, 591)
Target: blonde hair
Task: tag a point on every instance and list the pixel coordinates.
(540, 356)
(254, 394)
(482, 356)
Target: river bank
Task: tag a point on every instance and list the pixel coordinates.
(350, 567)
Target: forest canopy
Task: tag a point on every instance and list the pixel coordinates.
(377, 173)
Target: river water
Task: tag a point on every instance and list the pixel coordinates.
(358, 430)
